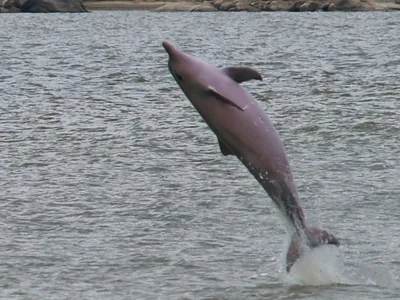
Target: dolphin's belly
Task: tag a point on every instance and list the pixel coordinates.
(254, 137)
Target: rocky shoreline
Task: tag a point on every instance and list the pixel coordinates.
(194, 5)
(244, 5)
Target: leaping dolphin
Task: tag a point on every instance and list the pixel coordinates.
(244, 130)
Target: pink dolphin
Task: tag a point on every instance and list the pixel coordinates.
(244, 130)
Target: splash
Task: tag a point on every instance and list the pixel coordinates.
(371, 275)
(318, 266)
(325, 265)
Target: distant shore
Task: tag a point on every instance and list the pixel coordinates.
(68, 6)
(122, 5)
(151, 5)
(243, 5)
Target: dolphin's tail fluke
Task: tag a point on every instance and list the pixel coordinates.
(312, 238)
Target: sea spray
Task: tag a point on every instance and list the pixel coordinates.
(318, 266)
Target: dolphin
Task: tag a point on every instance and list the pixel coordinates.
(244, 130)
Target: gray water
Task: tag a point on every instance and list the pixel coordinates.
(112, 187)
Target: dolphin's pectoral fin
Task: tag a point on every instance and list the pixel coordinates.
(240, 74)
(221, 97)
(224, 149)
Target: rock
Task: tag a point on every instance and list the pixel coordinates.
(177, 6)
(392, 6)
(10, 6)
(264, 6)
(301, 5)
(296, 6)
(225, 6)
(314, 6)
(217, 3)
(304, 6)
(243, 7)
(352, 5)
(258, 6)
(122, 5)
(192, 5)
(279, 5)
(187, 6)
(41, 6)
(328, 6)
(310, 6)
(9, 10)
(205, 7)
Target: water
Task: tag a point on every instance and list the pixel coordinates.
(111, 186)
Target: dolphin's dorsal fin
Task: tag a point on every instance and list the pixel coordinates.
(224, 149)
(223, 98)
(240, 74)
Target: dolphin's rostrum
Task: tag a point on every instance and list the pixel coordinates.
(243, 129)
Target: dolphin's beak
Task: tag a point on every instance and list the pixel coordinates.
(168, 47)
(171, 50)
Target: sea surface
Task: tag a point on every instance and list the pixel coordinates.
(112, 186)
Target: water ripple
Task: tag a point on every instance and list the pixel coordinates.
(112, 187)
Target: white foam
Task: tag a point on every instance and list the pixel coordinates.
(319, 266)
(371, 275)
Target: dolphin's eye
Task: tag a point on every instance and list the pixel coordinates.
(179, 77)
